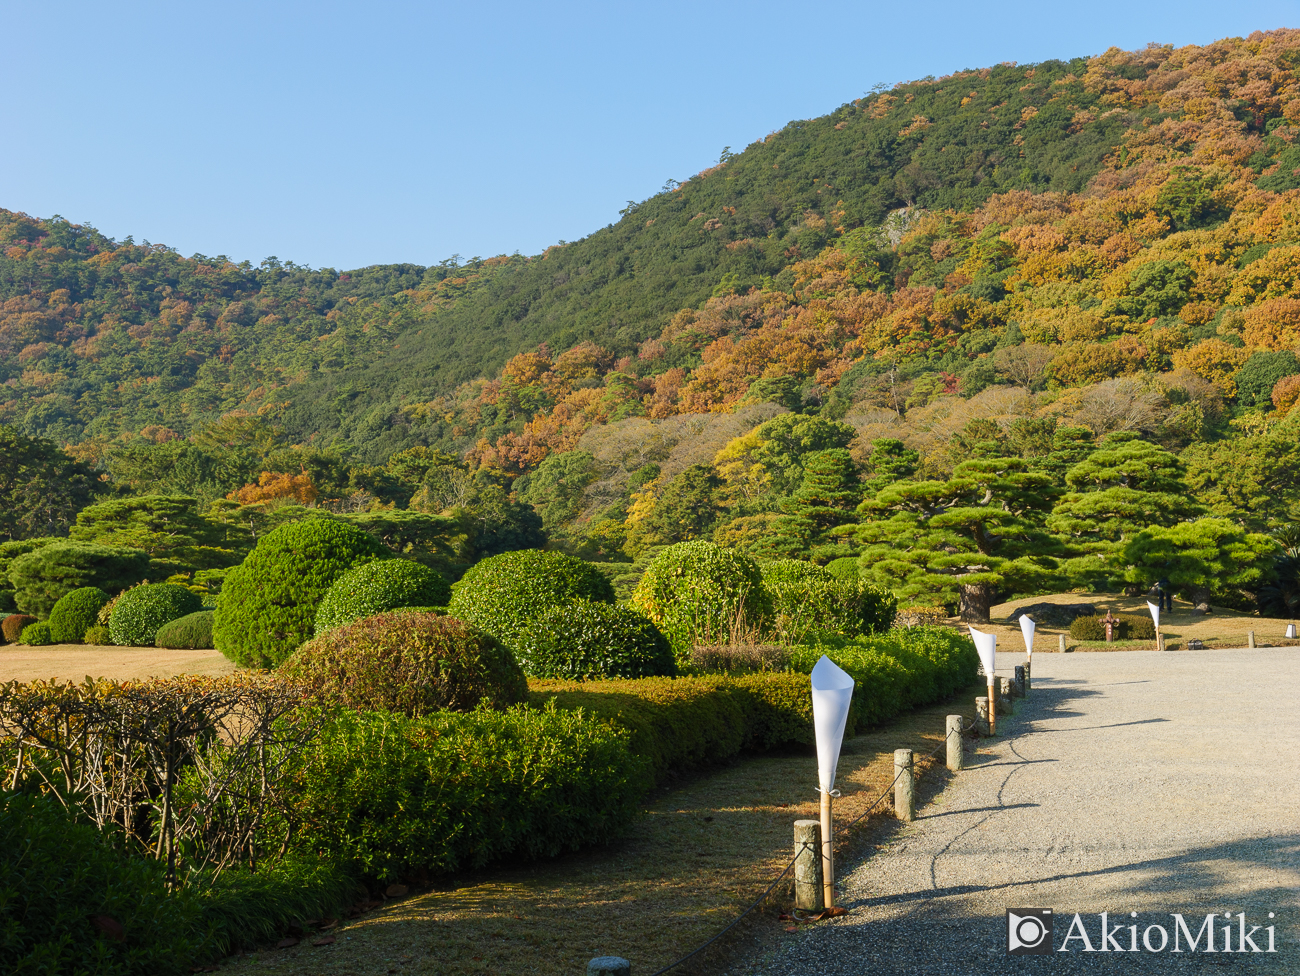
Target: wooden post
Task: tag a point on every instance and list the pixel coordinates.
(828, 852)
(1061, 638)
(807, 866)
(1250, 639)
(982, 716)
(1006, 694)
(609, 966)
(956, 748)
(904, 786)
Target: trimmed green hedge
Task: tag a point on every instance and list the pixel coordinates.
(267, 605)
(142, 611)
(377, 588)
(504, 594)
(412, 663)
(897, 670)
(450, 791)
(683, 724)
(593, 640)
(76, 613)
(1131, 626)
(700, 593)
(191, 632)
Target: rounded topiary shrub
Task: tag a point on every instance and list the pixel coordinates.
(36, 634)
(503, 594)
(12, 626)
(413, 663)
(76, 613)
(142, 610)
(267, 606)
(377, 587)
(807, 599)
(700, 593)
(594, 640)
(97, 635)
(190, 632)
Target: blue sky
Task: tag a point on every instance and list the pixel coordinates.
(341, 135)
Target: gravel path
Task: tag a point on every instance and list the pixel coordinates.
(1127, 782)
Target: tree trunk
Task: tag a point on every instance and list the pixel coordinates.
(975, 603)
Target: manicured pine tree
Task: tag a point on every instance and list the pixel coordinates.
(965, 540)
(826, 500)
(1123, 487)
(1201, 558)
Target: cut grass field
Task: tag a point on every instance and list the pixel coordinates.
(703, 851)
(72, 662)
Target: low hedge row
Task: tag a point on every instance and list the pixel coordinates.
(682, 724)
(1131, 626)
(454, 791)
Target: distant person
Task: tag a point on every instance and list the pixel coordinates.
(1162, 593)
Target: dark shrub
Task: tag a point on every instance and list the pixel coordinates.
(594, 640)
(377, 587)
(191, 632)
(66, 893)
(13, 625)
(75, 613)
(700, 593)
(504, 594)
(267, 606)
(44, 575)
(142, 610)
(36, 635)
(453, 791)
(412, 663)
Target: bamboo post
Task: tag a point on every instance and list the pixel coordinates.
(807, 866)
(828, 851)
(993, 705)
(956, 750)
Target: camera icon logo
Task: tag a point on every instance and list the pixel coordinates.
(1029, 931)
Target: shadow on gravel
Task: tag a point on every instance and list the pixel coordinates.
(940, 934)
(953, 813)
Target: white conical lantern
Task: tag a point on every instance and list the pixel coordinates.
(832, 692)
(986, 645)
(1027, 627)
(1155, 615)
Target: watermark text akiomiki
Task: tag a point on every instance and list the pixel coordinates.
(1030, 932)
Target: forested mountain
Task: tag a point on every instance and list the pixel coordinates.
(954, 268)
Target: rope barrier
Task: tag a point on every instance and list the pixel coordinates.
(786, 870)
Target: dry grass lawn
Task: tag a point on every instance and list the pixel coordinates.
(72, 662)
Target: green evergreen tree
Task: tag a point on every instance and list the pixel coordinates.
(888, 462)
(41, 488)
(167, 527)
(964, 540)
(1123, 487)
(1202, 559)
(686, 510)
(826, 500)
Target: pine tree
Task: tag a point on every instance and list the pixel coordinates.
(964, 540)
(826, 500)
(1123, 487)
